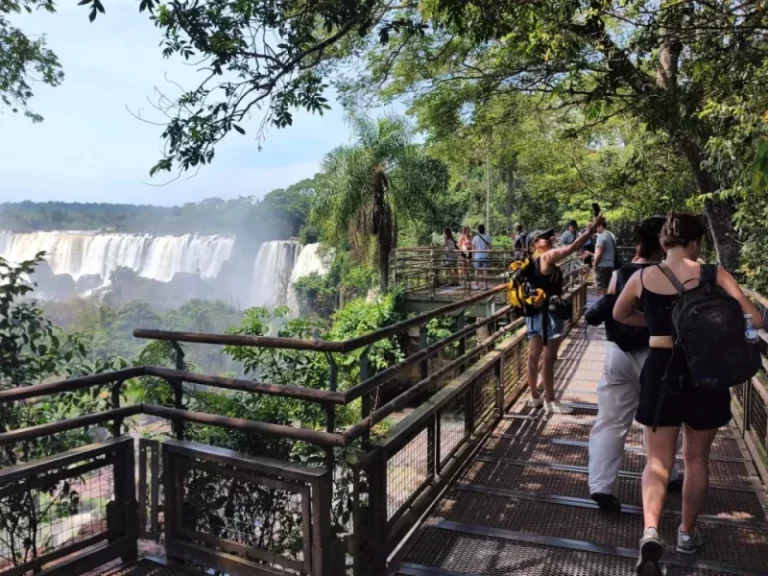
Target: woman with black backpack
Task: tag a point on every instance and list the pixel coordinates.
(618, 391)
(675, 391)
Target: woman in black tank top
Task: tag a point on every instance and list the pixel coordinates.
(668, 397)
(544, 327)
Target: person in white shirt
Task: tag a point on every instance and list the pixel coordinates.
(481, 246)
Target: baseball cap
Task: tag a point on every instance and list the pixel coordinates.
(537, 234)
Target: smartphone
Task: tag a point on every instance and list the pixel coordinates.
(595, 209)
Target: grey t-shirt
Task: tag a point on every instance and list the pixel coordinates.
(607, 241)
(567, 238)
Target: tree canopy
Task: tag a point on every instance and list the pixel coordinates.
(686, 77)
(24, 59)
(365, 187)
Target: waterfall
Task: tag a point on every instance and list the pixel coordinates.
(272, 272)
(309, 261)
(79, 254)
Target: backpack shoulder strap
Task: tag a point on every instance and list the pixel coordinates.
(708, 275)
(667, 271)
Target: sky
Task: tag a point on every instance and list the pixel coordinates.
(90, 148)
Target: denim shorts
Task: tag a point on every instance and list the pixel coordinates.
(535, 326)
(482, 263)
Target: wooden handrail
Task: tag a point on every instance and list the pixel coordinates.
(320, 438)
(33, 432)
(313, 345)
(379, 378)
(325, 439)
(79, 383)
(298, 392)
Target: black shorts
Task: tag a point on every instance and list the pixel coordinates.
(603, 277)
(683, 402)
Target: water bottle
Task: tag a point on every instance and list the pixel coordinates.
(750, 332)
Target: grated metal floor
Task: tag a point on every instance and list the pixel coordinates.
(522, 505)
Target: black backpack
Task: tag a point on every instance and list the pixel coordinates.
(709, 327)
(628, 338)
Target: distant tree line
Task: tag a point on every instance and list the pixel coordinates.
(280, 214)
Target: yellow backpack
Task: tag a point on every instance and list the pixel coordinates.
(521, 294)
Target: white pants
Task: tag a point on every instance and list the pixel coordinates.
(618, 394)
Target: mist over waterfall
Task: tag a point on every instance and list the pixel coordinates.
(166, 269)
(79, 254)
(272, 272)
(309, 261)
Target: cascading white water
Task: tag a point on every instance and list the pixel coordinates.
(272, 272)
(159, 258)
(310, 260)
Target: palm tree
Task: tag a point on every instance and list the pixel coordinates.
(365, 187)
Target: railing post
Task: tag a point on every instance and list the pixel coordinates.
(498, 371)
(436, 458)
(378, 518)
(173, 489)
(114, 404)
(366, 399)
(125, 502)
(747, 399)
(433, 445)
(461, 321)
(323, 534)
(330, 425)
(423, 334)
(178, 391)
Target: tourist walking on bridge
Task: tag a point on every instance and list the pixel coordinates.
(544, 329)
(670, 396)
(481, 246)
(605, 258)
(618, 391)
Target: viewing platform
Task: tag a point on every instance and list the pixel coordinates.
(463, 480)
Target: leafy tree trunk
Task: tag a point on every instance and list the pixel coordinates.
(688, 137)
(508, 176)
(719, 213)
(382, 224)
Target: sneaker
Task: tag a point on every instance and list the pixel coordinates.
(651, 550)
(607, 502)
(689, 543)
(556, 407)
(536, 402)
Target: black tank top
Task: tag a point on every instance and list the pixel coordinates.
(658, 310)
(552, 283)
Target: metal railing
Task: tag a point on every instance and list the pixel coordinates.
(404, 472)
(427, 270)
(69, 512)
(750, 402)
(466, 370)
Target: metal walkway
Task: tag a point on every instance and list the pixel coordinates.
(522, 504)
